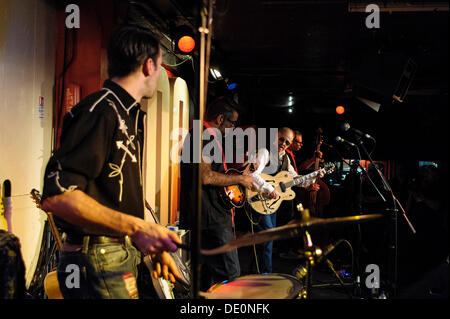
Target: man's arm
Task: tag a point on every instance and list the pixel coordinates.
(82, 210)
(261, 159)
(210, 177)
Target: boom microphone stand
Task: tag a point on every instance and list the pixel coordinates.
(357, 179)
(393, 260)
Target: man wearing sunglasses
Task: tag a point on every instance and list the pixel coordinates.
(262, 158)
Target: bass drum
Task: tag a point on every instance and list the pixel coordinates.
(266, 286)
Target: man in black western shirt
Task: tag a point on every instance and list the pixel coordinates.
(93, 182)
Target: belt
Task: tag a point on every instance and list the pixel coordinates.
(95, 239)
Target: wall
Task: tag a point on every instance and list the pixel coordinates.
(27, 72)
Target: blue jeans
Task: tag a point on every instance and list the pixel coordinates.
(264, 250)
(218, 268)
(106, 271)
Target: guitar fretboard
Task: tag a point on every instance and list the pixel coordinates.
(303, 181)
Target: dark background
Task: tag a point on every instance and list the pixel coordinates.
(323, 55)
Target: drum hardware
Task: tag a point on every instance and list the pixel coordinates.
(313, 254)
(291, 230)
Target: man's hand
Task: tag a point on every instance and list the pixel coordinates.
(164, 266)
(246, 181)
(317, 154)
(321, 173)
(152, 238)
(272, 195)
(313, 187)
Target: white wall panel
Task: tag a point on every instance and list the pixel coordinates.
(27, 72)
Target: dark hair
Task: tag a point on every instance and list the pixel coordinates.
(222, 105)
(128, 48)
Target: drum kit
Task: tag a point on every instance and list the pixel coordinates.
(273, 285)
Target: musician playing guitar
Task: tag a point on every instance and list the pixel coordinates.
(93, 184)
(264, 222)
(217, 225)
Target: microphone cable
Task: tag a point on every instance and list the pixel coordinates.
(252, 223)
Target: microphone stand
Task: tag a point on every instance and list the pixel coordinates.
(357, 270)
(393, 247)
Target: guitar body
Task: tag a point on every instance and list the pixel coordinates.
(268, 206)
(318, 199)
(315, 201)
(51, 286)
(233, 196)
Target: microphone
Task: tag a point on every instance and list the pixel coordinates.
(340, 139)
(345, 127)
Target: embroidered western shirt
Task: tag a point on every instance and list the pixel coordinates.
(100, 153)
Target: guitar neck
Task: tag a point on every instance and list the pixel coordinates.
(303, 180)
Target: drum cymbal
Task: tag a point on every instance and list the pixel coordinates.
(290, 230)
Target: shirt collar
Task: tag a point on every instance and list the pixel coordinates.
(125, 99)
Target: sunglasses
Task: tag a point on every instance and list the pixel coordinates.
(285, 141)
(234, 123)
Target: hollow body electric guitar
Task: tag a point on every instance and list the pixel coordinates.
(233, 196)
(282, 182)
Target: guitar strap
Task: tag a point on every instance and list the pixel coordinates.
(292, 158)
(211, 131)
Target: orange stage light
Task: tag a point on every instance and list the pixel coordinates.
(340, 110)
(186, 44)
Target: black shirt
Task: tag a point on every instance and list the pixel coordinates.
(214, 214)
(100, 153)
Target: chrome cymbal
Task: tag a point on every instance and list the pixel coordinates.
(290, 230)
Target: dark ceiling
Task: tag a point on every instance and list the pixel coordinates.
(324, 56)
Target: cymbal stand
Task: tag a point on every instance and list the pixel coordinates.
(305, 273)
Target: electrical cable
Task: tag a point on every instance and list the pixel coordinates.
(252, 223)
(183, 61)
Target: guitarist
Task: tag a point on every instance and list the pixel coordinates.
(217, 227)
(286, 210)
(93, 185)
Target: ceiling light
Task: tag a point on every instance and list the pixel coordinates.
(216, 74)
